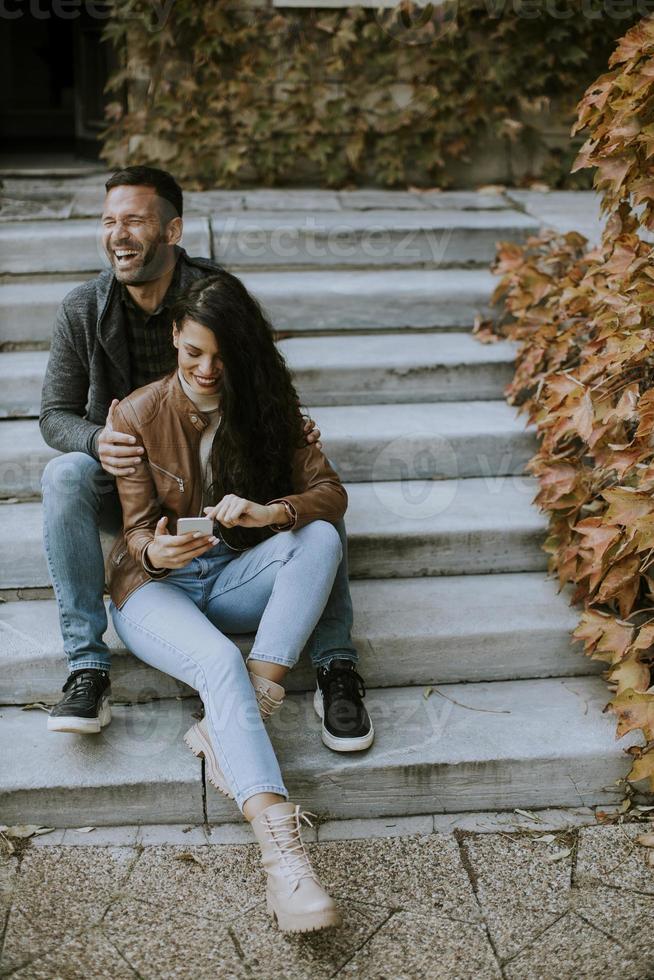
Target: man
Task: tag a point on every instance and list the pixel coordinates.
(111, 335)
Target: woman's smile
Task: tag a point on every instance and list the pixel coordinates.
(205, 383)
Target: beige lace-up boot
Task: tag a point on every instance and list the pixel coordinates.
(198, 740)
(270, 697)
(294, 895)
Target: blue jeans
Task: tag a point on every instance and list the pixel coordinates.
(178, 625)
(80, 500)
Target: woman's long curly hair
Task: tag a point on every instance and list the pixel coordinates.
(261, 424)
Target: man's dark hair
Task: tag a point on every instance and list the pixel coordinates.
(164, 183)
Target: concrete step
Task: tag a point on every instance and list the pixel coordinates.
(276, 238)
(297, 302)
(529, 743)
(396, 367)
(395, 530)
(345, 370)
(26, 198)
(387, 238)
(407, 632)
(74, 245)
(435, 440)
(425, 441)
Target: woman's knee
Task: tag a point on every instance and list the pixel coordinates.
(324, 539)
(216, 656)
(190, 649)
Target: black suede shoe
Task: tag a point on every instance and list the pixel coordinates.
(346, 726)
(84, 709)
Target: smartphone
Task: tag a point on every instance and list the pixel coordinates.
(202, 524)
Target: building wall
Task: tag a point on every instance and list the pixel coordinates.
(450, 95)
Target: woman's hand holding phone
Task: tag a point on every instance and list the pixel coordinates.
(233, 510)
(176, 550)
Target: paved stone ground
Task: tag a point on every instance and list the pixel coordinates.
(573, 901)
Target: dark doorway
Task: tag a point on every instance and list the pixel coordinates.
(54, 70)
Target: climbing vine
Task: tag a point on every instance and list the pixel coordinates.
(225, 96)
(584, 321)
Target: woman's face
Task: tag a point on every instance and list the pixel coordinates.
(198, 357)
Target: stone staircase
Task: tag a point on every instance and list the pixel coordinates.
(478, 698)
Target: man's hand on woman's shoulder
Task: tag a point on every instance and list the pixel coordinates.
(311, 432)
(117, 451)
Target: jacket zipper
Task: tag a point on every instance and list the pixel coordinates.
(116, 559)
(178, 480)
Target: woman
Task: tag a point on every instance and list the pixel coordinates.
(223, 436)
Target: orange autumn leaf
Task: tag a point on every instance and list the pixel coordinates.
(621, 582)
(626, 506)
(603, 636)
(630, 673)
(634, 710)
(645, 638)
(646, 415)
(643, 768)
(597, 536)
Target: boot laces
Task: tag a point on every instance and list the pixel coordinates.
(285, 831)
(267, 704)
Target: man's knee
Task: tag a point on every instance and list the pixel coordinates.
(324, 537)
(74, 477)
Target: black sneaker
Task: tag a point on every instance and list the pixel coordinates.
(85, 708)
(346, 726)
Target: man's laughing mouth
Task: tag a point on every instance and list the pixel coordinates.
(125, 256)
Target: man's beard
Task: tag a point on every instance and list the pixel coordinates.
(149, 265)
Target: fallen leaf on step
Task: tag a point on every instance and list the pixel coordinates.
(546, 838)
(529, 815)
(22, 831)
(558, 855)
(36, 706)
(647, 840)
(427, 691)
(189, 858)
(83, 830)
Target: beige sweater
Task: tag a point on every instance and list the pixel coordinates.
(209, 405)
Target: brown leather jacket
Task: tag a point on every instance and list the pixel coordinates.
(168, 482)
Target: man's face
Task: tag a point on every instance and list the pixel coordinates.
(139, 230)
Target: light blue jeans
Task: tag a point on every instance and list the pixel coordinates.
(80, 500)
(178, 624)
